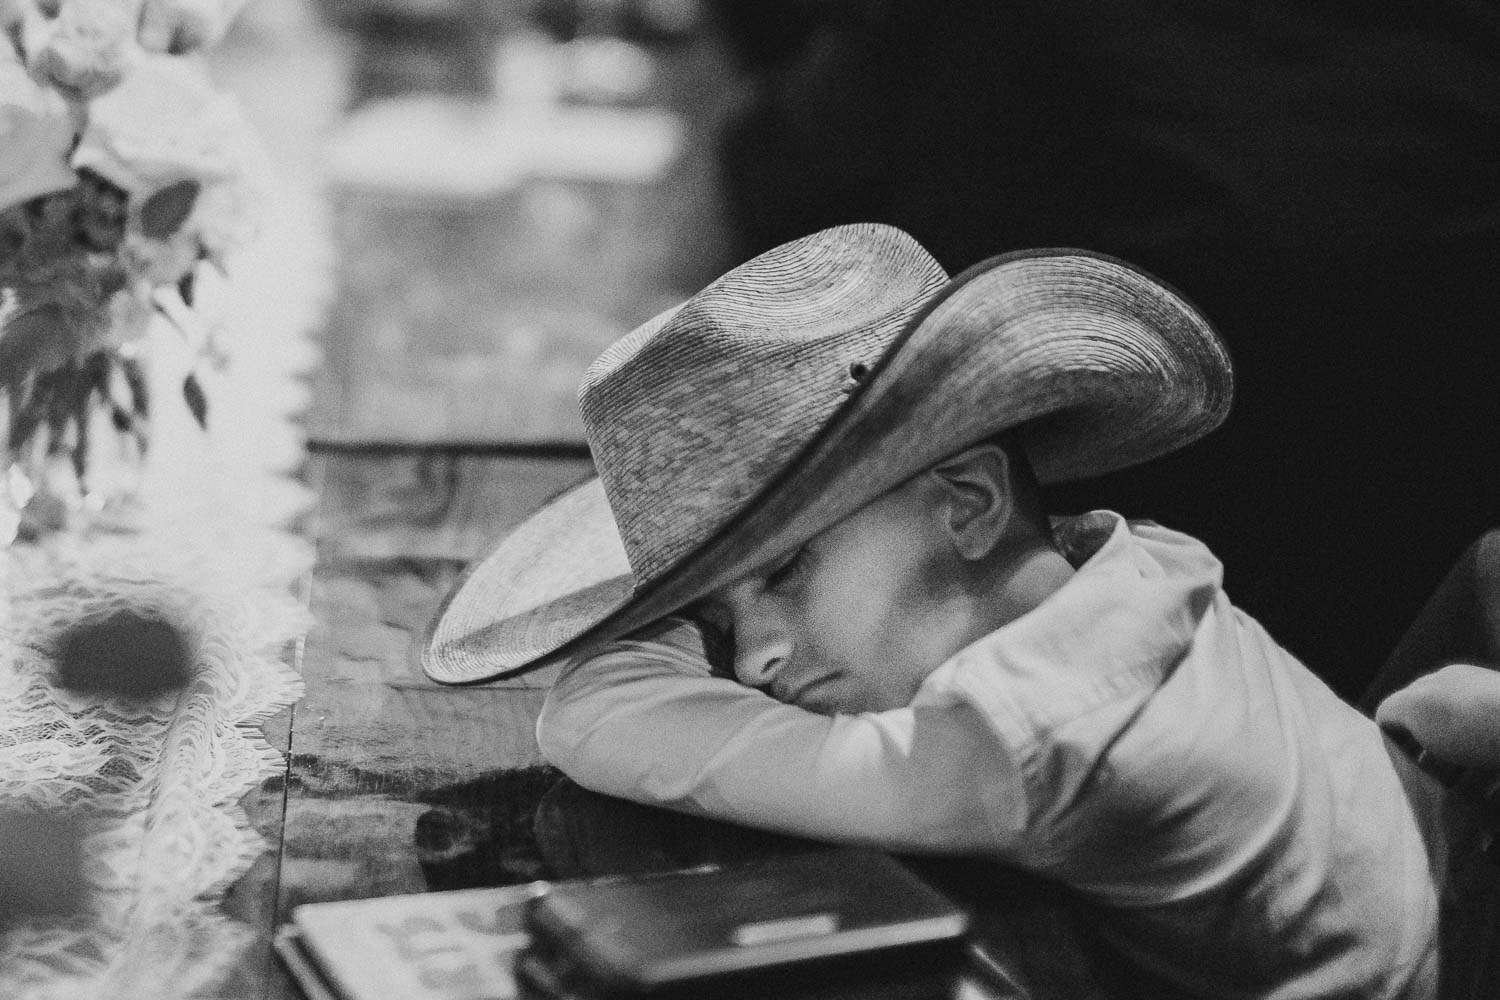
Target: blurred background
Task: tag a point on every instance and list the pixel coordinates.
(513, 185)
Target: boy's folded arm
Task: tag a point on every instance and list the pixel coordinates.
(645, 720)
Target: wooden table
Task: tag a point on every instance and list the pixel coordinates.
(395, 784)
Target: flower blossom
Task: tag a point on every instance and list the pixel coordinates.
(165, 124)
(80, 47)
(36, 132)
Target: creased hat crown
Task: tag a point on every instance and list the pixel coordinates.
(691, 415)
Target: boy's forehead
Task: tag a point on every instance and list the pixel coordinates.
(849, 528)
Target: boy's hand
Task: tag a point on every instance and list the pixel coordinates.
(1453, 712)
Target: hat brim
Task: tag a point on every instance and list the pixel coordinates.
(1096, 364)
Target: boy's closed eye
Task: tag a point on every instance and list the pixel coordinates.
(715, 622)
(781, 576)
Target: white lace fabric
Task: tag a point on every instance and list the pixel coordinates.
(154, 787)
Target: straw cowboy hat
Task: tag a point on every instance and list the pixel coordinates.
(799, 387)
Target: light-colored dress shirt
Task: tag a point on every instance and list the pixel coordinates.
(1135, 736)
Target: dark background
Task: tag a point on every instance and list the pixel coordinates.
(1321, 178)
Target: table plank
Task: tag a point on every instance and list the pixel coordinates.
(396, 781)
(394, 784)
(374, 740)
(432, 503)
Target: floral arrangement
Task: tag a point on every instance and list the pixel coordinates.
(123, 172)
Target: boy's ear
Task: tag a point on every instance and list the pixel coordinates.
(976, 501)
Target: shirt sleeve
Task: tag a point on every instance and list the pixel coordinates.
(645, 720)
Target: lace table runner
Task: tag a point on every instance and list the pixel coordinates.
(153, 787)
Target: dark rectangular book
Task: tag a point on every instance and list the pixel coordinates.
(842, 923)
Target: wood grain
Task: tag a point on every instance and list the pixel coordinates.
(373, 737)
(432, 503)
(394, 784)
(374, 740)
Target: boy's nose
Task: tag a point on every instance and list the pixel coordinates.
(761, 649)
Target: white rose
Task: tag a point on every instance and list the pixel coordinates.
(36, 131)
(165, 123)
(82, 47)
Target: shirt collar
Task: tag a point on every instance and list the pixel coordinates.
(1134, 604)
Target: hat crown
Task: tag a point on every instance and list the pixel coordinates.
(693, 414)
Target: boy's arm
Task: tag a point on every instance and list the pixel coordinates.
(645, 720)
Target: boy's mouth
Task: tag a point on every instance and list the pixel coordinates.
(799, 695)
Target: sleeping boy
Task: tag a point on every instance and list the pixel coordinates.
(829, 463)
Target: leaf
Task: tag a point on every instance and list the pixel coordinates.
(93, 379)
(37, 341)
(165, 211)
(96, 371)
(185, 286)
(81, 403)
(61, 391)
(197, 401)
(112, 279)
(13, 232)
(140, 390)
(25, 422)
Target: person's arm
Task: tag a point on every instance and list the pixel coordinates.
(1454, 712)
(645, 720)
